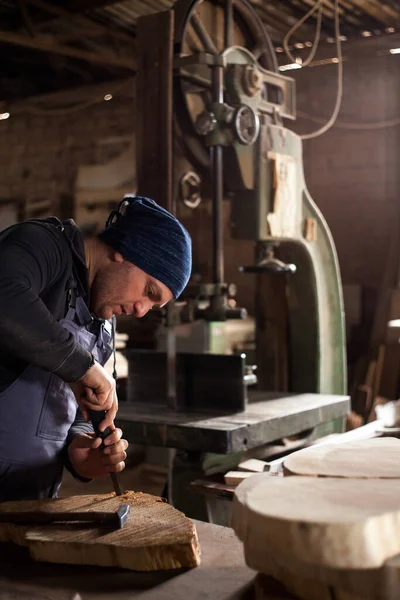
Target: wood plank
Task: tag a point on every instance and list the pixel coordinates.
(333, 523)
(375, 458)
(254, 465)
(155, 537)
(42, 43)
(235, 477)
(154, 43)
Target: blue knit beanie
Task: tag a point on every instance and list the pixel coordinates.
(151, 238)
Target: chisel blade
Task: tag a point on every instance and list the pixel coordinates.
(117, 486)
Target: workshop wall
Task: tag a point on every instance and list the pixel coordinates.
(40, 154)
(354, 175)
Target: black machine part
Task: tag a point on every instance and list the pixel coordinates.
(38, 517)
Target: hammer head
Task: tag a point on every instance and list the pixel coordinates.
(122, 514)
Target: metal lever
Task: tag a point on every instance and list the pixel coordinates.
(270, 265)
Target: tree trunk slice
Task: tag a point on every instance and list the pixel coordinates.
(333, 523)
(155, 537)
(377, 458)
(316, 583)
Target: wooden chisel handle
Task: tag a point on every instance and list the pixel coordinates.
(97, 416)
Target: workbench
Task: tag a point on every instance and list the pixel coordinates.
(222, 575)
(268, 417)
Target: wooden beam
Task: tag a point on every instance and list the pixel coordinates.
(120, 87)
(26, 17)
(78, 6)
(38, 43)
(154, 106)
(66, 15)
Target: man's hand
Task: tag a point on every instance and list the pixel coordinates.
(96, 390)
(90, 462)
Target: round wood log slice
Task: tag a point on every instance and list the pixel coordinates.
(377, 458)
(329, 522)
(155, 537)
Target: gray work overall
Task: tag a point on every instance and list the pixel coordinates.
(36, 413)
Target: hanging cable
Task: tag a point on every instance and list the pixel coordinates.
(367, 126)
(318, 5)
(339, 95)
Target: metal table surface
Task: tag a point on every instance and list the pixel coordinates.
(222, 575)
(268, 417)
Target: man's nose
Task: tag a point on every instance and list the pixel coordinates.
(141, 308)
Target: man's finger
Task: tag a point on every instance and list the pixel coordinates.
(114, 437)
(113, 459)
(110, 415)
(116, 468)
(99, 399)
(118, 447)
(88, 405)
(97, 443)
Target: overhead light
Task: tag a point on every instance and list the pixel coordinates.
(394, 323)
(330, 40)
(308, 44)
(343, 38)
(389, 29)
(335, 59)
(107, 97)
(299, 45)
(290, 66)
(278, 49)
(394, 50)
(4, 116)
(366, 33)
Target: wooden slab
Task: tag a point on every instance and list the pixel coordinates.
(254, 465)
(235, 477)
(155, 537)
(374, 458)
(335, 523)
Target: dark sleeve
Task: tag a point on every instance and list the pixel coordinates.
(32, 258)
(78, 426)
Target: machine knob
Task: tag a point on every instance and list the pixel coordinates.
(252, 80)
(246, 125)
(205, 123)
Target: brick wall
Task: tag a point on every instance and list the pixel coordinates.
(354, 176)
(40, 155)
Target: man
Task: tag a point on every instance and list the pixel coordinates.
(57, 293)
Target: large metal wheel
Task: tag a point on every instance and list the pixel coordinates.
(210, 26)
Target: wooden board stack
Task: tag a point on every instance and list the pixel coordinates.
(244, 470)
(332, 529)
(155, 537)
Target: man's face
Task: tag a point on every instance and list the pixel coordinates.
(122, 288)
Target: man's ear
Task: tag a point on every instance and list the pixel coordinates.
(117, 257)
